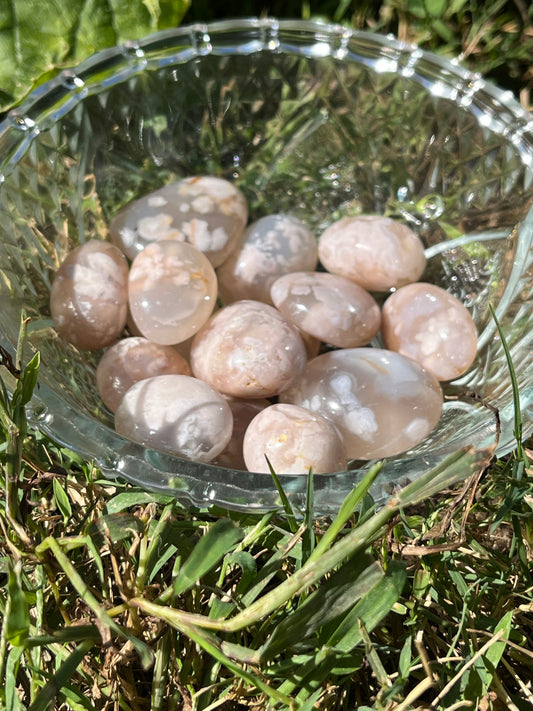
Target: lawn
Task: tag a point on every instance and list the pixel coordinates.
(113, 598)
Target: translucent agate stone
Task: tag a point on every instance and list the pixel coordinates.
(243, 412)
(177, 414)
(89, 295)
(378, 253)
(133, 359)
(294, 440)
(327, 306)
(172, 291)
(247, 349)
(382, 402)
(209, 213)
(427, 323)
(272, 246)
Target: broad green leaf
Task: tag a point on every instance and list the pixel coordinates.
(436, 8)
(61, 499)
(36, 36)
(17, 620)
(495, 652)
(28, 381)
(116, 527)
(127, 499)
(210, 549)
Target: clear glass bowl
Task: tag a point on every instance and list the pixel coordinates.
(306, 118)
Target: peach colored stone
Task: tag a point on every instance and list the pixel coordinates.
(208, 212)
(382, 402)
(294, 440)
(89, 295)
(327, 306)
(272, 246)
(247, 349)
(427, 323)
(378, 253)
(172, 291)
(177, 414)
(243, 412)
(133, 359)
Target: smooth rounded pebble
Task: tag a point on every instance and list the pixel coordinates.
(382, 402)
(133, 359)
(177, 414)
(208, 212)
(243, 412)
(272, 246)
(378, 253)
(89, 295)
(327, 306)
(247, 349)
(172, 291)
(294, 440)
(427, 323)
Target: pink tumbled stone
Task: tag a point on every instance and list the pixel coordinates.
(208, 212)
(247, 349)
(133, 359)
(294, 440)
(177, 414)
(243, 412)
(327, 306)
(172, 291)
(431, 326)
(382, 402)
(272, 246)
(378, 253)
(89, 295)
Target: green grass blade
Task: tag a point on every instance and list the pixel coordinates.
(287, 506)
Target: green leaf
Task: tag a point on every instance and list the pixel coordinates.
(495, 652)
(37, 36)
(436, 8)
(127, 499)
(17, 620)
(210, 549)
(61, 499)
(12, 699)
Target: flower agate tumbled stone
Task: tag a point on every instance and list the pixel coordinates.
(247, 349)
(89, 295)
(427, 323)
(172, 291)
(133, 359)
(272, 246)
(382, 402)
(327, 306)
(243, 412)
(375, 252)
(177, 414)
(294, 440)
(209, 213)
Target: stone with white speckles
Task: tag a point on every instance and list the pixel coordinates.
(327, 306)
(89, 295)
(427, 323)
(294, 440)
(376, 252)
(172, 291)
(382, 402)
(133, 359)
(208, 212)
(177, 414)
(271, 246)
(247, 349)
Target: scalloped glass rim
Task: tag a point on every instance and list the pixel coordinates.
(494, 110)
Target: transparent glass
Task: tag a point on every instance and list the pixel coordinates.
(306, 118)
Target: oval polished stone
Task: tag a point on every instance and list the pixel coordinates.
(172, 291)
(208, 212)
(427, 323)
(243, 412)
(378, 253)
(294, 440)
(177, 414)
(133, 359)
(327, 306)
(89, 295)
(382, 402)
(272, 246)
(247, 349)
